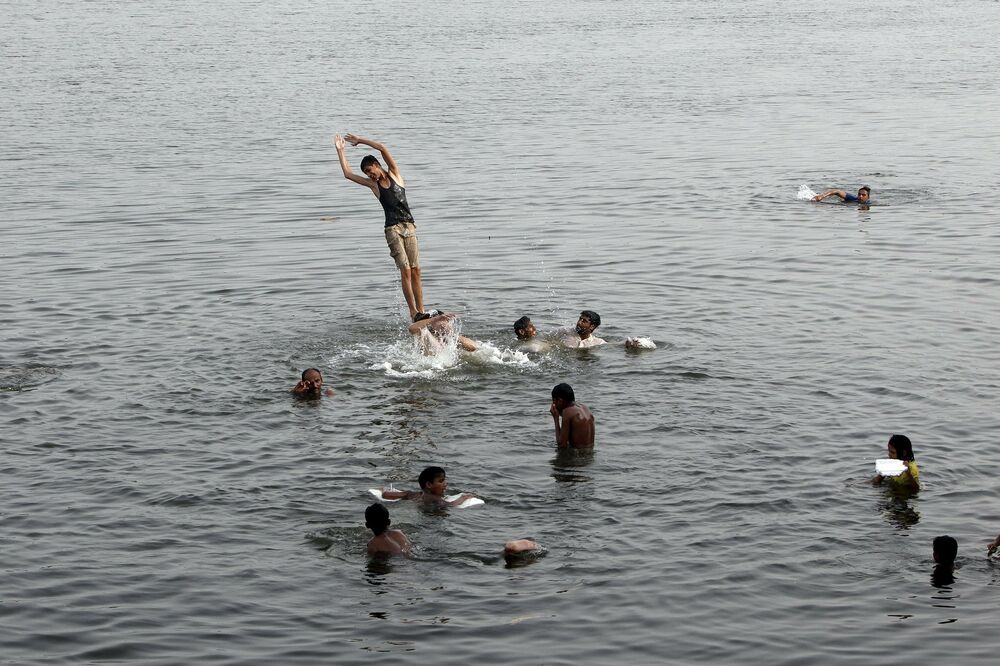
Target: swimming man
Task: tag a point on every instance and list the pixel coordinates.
(524, 329)
(311, 385)
(576, 428)
(400, 230)
(863, 194)
(582, 335)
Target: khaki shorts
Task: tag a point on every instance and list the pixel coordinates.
(402, 240)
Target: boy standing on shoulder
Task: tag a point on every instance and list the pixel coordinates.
(576, 429)
(400, 230)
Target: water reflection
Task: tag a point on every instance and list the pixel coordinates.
(897, 507)
(943, 577)
(567, 462)
(376, 571)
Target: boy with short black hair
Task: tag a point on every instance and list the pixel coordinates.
(386, 542)
(524, 329)
(945, 550)
(433, 484)
(573, 422)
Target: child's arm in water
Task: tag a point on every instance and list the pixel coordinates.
(400, 494)
(467, 344)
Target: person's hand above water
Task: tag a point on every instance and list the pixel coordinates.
(353, 140)
(992, 548)
(338, 142)
(553, 411)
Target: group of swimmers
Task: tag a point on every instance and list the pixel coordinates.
(944, 548)
(574, 423)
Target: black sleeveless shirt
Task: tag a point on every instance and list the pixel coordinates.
(393, 200)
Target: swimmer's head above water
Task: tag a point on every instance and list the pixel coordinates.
(587, 323)
(864, 192)
(524, 329)
(433, 481)
(377, 518)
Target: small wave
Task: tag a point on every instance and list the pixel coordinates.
(805, 193)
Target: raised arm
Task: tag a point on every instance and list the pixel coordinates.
(380, 147)
(415, 327)
(829, 193)
(346, 168)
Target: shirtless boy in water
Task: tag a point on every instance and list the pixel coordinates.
(433, 484)
(434, 328)
(386, 542)
(576, 428)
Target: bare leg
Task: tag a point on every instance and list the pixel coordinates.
(418, 290)
(406, 279)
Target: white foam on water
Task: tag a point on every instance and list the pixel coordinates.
(427, 356)
(640, 342)
(805, 193)
(489, 354)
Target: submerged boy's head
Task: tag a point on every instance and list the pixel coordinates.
(563, 396)
(377, 518)
(864, 192)
(524, 329)
(370, 167)
(945, 549)
(433, 480)
(900, 447)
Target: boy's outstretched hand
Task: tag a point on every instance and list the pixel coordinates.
(338, 142)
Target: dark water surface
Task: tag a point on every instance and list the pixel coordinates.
(178, 244)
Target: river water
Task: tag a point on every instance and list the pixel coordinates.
(178, 244)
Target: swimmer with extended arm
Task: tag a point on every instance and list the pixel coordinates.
(863, 194)
(433, 484)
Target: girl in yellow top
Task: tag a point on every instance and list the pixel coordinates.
(900, 448)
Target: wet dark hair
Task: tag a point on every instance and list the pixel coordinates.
(521, 324)
(865, 188)
(945, 549)
(429, 474)
(377, 518)
(308, 370)
(420, 316)
(594, 318)
(563, 391)
(367, 161)
(903, 446)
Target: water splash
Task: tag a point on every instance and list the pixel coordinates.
(805, 193)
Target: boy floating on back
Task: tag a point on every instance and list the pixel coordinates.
(400, 230)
